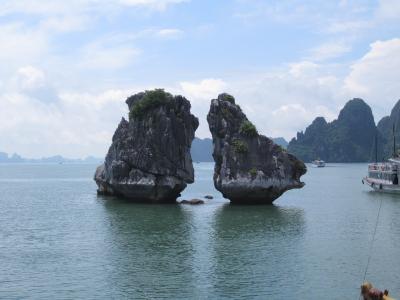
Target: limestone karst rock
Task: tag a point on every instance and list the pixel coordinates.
(385, 128)
(249, 168)
(149, 159)
(349, 138)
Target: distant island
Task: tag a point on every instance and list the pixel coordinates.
(57, 159)
(349, 138)
(201, 151)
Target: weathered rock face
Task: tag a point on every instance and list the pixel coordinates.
(149, 159)
(249, 168)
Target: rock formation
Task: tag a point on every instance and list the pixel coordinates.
(249, 168)
(385, 128)
(149, 159)
(350, 138)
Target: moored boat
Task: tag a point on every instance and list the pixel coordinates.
(318, 163)
(384, 177)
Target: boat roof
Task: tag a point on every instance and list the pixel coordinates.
(395, 160)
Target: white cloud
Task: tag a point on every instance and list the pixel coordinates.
(303, 68)
(74, 7)
(282, 102)
(279, 102)
(30, 78)
(169, 33)
(204, 89)
(154, 4)
(389, 9)
(376, 75)
(200, 93)
(102, 57)
(290, 118)
(33, 6)
(65, 23)
(21, 45)
(78, 124)
(54, 95)
(329, 50)
(346, 27)
(30, 82)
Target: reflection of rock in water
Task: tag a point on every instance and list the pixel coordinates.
(261, 244)
(151, 252)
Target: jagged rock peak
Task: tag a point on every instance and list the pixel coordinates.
(385, 127)
(356, 110)
(249, 168)
(319, 121)
(396, 110)
(149, 159)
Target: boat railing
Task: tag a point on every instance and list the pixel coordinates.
(382, 167)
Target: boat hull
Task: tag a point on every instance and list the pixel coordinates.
(318, 164)
(382, 187)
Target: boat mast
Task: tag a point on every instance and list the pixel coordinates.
(376, 148)
(394, 142)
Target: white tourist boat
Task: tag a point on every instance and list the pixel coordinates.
(318, 163)
(384, 177)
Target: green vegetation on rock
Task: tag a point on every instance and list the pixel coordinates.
(253, 172)
(227, 97)
(281, 148)
(240, 146)
(151, 99)
(248, 129)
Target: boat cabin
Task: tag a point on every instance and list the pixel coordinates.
(384, 172)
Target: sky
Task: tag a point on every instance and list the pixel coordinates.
(68, 66)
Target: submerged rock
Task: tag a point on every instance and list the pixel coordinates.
(249, 168)
(192, 202)
(149, 159)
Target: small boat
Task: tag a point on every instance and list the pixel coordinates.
(318, 163)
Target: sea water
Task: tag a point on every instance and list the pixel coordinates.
(59, 240)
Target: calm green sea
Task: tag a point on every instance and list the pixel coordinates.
(59, 240)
